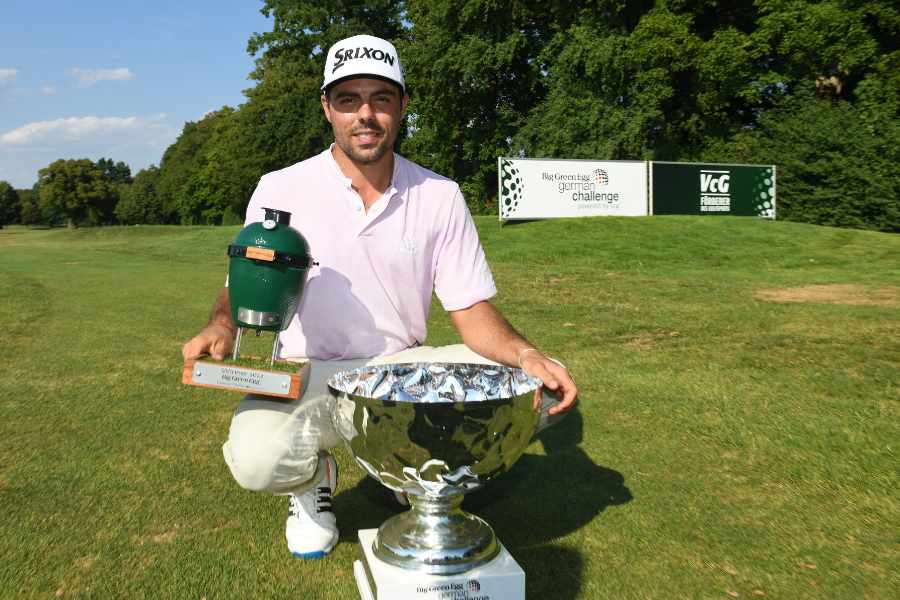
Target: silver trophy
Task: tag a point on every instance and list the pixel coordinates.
(435, 431)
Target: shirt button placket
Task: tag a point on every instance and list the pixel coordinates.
(358, 211)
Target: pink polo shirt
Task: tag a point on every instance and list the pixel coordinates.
(371, 291)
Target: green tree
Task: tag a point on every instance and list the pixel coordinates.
(9, 204)
(24, 201)
(608, 92)
(474, 75)
(659, 80)
(181, 162)
(280, 124)
(835, 166)
(114, 172)
(139, 201)
(76, 191)
(804, 45)
(29, 207)
(878, 92)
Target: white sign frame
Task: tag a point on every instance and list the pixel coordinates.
(544, 188)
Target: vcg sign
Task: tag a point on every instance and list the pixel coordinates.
(710, 184)
(696, 189)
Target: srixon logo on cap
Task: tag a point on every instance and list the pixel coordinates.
(342, 55)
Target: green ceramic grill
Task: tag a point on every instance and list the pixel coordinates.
(268, 264)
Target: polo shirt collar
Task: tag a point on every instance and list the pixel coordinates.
(354, 202)
(393, 188)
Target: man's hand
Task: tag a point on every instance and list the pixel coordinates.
(484, 330)
(215, 340)
(556, 378)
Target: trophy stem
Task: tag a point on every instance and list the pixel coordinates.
(274, 348)
(436, 536)
(237, 344)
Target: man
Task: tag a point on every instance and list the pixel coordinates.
(386, 234)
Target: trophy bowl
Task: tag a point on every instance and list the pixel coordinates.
(435, 431)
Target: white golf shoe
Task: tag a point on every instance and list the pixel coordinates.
(311, 529)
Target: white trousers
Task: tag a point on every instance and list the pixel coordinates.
(273, 445)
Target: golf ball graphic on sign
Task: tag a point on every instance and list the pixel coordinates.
(764, 191)
(601, 177)
(511, 188)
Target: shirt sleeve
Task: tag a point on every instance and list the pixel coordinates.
(462, 276)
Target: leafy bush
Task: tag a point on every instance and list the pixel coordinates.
(836, 165)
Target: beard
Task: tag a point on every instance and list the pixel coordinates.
(368, 155)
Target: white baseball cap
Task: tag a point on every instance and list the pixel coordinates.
(363, 55)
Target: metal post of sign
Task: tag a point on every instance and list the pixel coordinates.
(499, 193)
(774, 193)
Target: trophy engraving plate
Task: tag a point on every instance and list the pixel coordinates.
(500, 579)
(242, 379)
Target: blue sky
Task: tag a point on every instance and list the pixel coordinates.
(95, 78)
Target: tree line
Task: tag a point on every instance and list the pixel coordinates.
(73, 192)
(812, 86)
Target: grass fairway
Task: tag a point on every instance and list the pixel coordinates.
(738, 435)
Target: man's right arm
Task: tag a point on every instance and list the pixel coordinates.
(217, 338)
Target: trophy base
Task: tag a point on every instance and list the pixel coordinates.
(224, 375)
(500, 579)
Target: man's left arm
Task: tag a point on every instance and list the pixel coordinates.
(487, 332)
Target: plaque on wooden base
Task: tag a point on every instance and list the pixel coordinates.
(284, 380)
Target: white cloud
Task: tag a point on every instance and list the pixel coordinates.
(48, 90)
(72, 128)
(87, 77)
(7, 76)
(137, 140)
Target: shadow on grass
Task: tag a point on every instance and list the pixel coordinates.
(555, 494)
(512, 222)
(551, 571)
(540, 499)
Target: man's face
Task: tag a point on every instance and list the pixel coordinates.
(365, 115)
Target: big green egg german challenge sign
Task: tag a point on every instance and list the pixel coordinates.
(712, 189)
(549, 188)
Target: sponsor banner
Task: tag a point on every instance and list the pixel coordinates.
(541, 189)
(712, 189)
